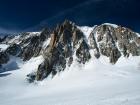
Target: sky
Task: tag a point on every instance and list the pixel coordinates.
(32, 15)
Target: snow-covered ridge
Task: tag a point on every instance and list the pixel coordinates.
(110, 24)
(69, 42)
(18, 38)
(86, 30)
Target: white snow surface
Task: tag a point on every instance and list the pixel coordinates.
(86, 30)
(95, 83)
(113, 25)
(3, 47)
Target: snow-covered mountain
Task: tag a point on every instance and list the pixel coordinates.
(71, 65)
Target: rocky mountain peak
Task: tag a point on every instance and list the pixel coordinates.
(68, 42)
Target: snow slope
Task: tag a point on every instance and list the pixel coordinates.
(95, 83)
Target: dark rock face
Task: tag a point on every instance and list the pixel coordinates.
(70, 60)
(54, 62)
(103, 40)
(32, 46)
(0, 40)
(113, 42)
(14, 50)
(31, 77)
(64, 41)
(4, 58)
(32, 49)
(77, 36)
(128, 41)
(93, 43)
(56, 52)
(82, 52)
(3, 38)
(106, 37)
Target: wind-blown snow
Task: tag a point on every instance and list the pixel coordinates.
(113, 25)
(46, 43)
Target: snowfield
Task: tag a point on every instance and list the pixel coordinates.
(95, 83)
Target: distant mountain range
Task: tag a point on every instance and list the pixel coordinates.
(69, 43)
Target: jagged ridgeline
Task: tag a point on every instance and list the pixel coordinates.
(67, 43)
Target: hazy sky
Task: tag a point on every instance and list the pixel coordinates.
(19, 15)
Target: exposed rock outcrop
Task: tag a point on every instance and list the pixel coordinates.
(65, 40)
(113, 42)
(82, 52)
(106, 41)
(34, 45)
(127, 41)
(14, 50)
(4, 58)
